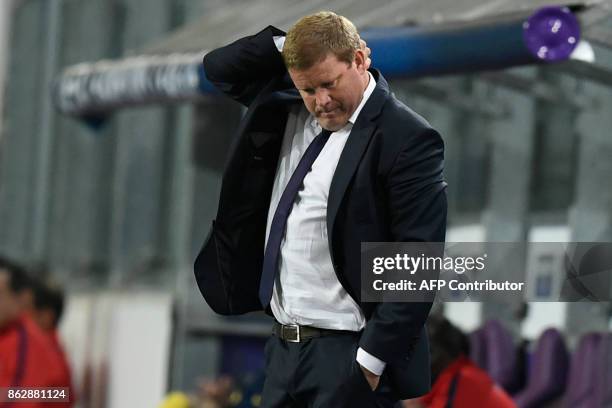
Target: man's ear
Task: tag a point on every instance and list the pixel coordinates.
(360, 61)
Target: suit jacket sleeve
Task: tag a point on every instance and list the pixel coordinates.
(243, 68)
(417, 207)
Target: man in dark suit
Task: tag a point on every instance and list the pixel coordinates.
(325, 158)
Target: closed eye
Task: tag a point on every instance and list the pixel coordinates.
(324, 85)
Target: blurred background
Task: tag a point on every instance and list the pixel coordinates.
(110, 174)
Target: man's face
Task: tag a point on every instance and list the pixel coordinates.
(332, 89)
(9, 301)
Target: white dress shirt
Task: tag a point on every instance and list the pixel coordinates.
(306, 290)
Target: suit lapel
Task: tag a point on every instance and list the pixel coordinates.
(354, 149)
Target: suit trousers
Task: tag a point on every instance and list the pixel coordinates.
(320, 372)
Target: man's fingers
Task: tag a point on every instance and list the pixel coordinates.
(368, 60)
(364, 46)
(372, 378)
(366, 51)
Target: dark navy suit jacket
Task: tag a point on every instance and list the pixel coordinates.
(388, 186)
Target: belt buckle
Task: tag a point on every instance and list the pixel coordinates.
(297, 333)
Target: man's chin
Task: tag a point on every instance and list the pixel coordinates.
(331, 125)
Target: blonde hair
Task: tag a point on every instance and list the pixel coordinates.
(315, 36)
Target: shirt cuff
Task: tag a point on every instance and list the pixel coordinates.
(370, 362)
(279, 41)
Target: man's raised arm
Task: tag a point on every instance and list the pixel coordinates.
(243, 68)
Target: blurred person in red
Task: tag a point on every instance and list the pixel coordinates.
(47, 313)
(457, 381)
(25, 351)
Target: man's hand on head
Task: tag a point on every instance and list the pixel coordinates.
(367, 51)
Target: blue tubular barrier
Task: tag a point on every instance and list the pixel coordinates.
(549, 35)
(410, 52)
(92, 91)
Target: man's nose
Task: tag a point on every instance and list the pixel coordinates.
(322, 97)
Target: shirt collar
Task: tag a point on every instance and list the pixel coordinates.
(366, 95)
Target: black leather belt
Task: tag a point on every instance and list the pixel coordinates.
(295, 334)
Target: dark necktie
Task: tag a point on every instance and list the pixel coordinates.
(279, 221)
